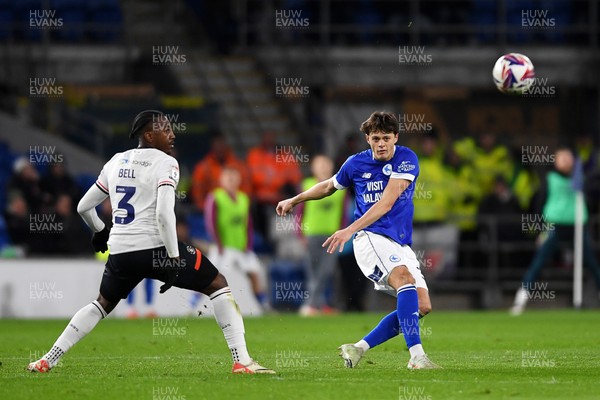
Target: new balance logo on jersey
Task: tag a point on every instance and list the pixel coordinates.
(366, 175)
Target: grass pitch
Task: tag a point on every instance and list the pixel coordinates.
(485, 355)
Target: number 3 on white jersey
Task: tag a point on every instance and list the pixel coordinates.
(128, 192)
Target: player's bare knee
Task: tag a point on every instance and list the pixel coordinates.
(424, 309)
(399, 277)
(218, 283)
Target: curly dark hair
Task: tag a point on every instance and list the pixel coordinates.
(380, 121)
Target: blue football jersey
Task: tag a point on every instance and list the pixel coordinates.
(370, 177)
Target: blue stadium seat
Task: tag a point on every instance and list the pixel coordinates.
(106, 20)
(517, 33)
(562, 13)
(7, 19)
(197, 228)
(22, 9)
(483, 14)
(4, 178)
(368, 17)
(288, 284)
(73, 14)
(84, 181)
(4, 238)
(261, 246)
(7, 159)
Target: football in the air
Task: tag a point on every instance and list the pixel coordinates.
(513, 73)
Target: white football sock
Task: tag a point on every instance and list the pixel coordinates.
(80, 325)
(521, 298)
(416, 350)
(363, 345)
(227, 314)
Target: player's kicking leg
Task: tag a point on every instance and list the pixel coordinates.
(388, 328)
(412, 304)
(403, 282)
(80, 325)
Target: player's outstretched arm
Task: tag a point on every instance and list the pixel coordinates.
(391, 193)
(318, 191)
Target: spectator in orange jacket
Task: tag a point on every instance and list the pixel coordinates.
(207, 171)
(274, 174)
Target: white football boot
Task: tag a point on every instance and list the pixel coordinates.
(351, 355)
(421, 362)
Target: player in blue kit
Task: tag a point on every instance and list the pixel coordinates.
(383, 178)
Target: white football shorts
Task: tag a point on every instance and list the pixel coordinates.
(246, 261)
(377, 255)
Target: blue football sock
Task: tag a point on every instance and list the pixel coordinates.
(261, 298)
(387, 328)
(149, 286)
(408, 314)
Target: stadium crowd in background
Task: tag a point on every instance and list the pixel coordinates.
(50, 199)
(471, 190)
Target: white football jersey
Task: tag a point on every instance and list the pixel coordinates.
(131, 179)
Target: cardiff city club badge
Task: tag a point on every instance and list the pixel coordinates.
(387, 169)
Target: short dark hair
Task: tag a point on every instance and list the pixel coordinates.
(380, 121)
(141, 120)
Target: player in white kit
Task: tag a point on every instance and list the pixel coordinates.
(141, 184)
